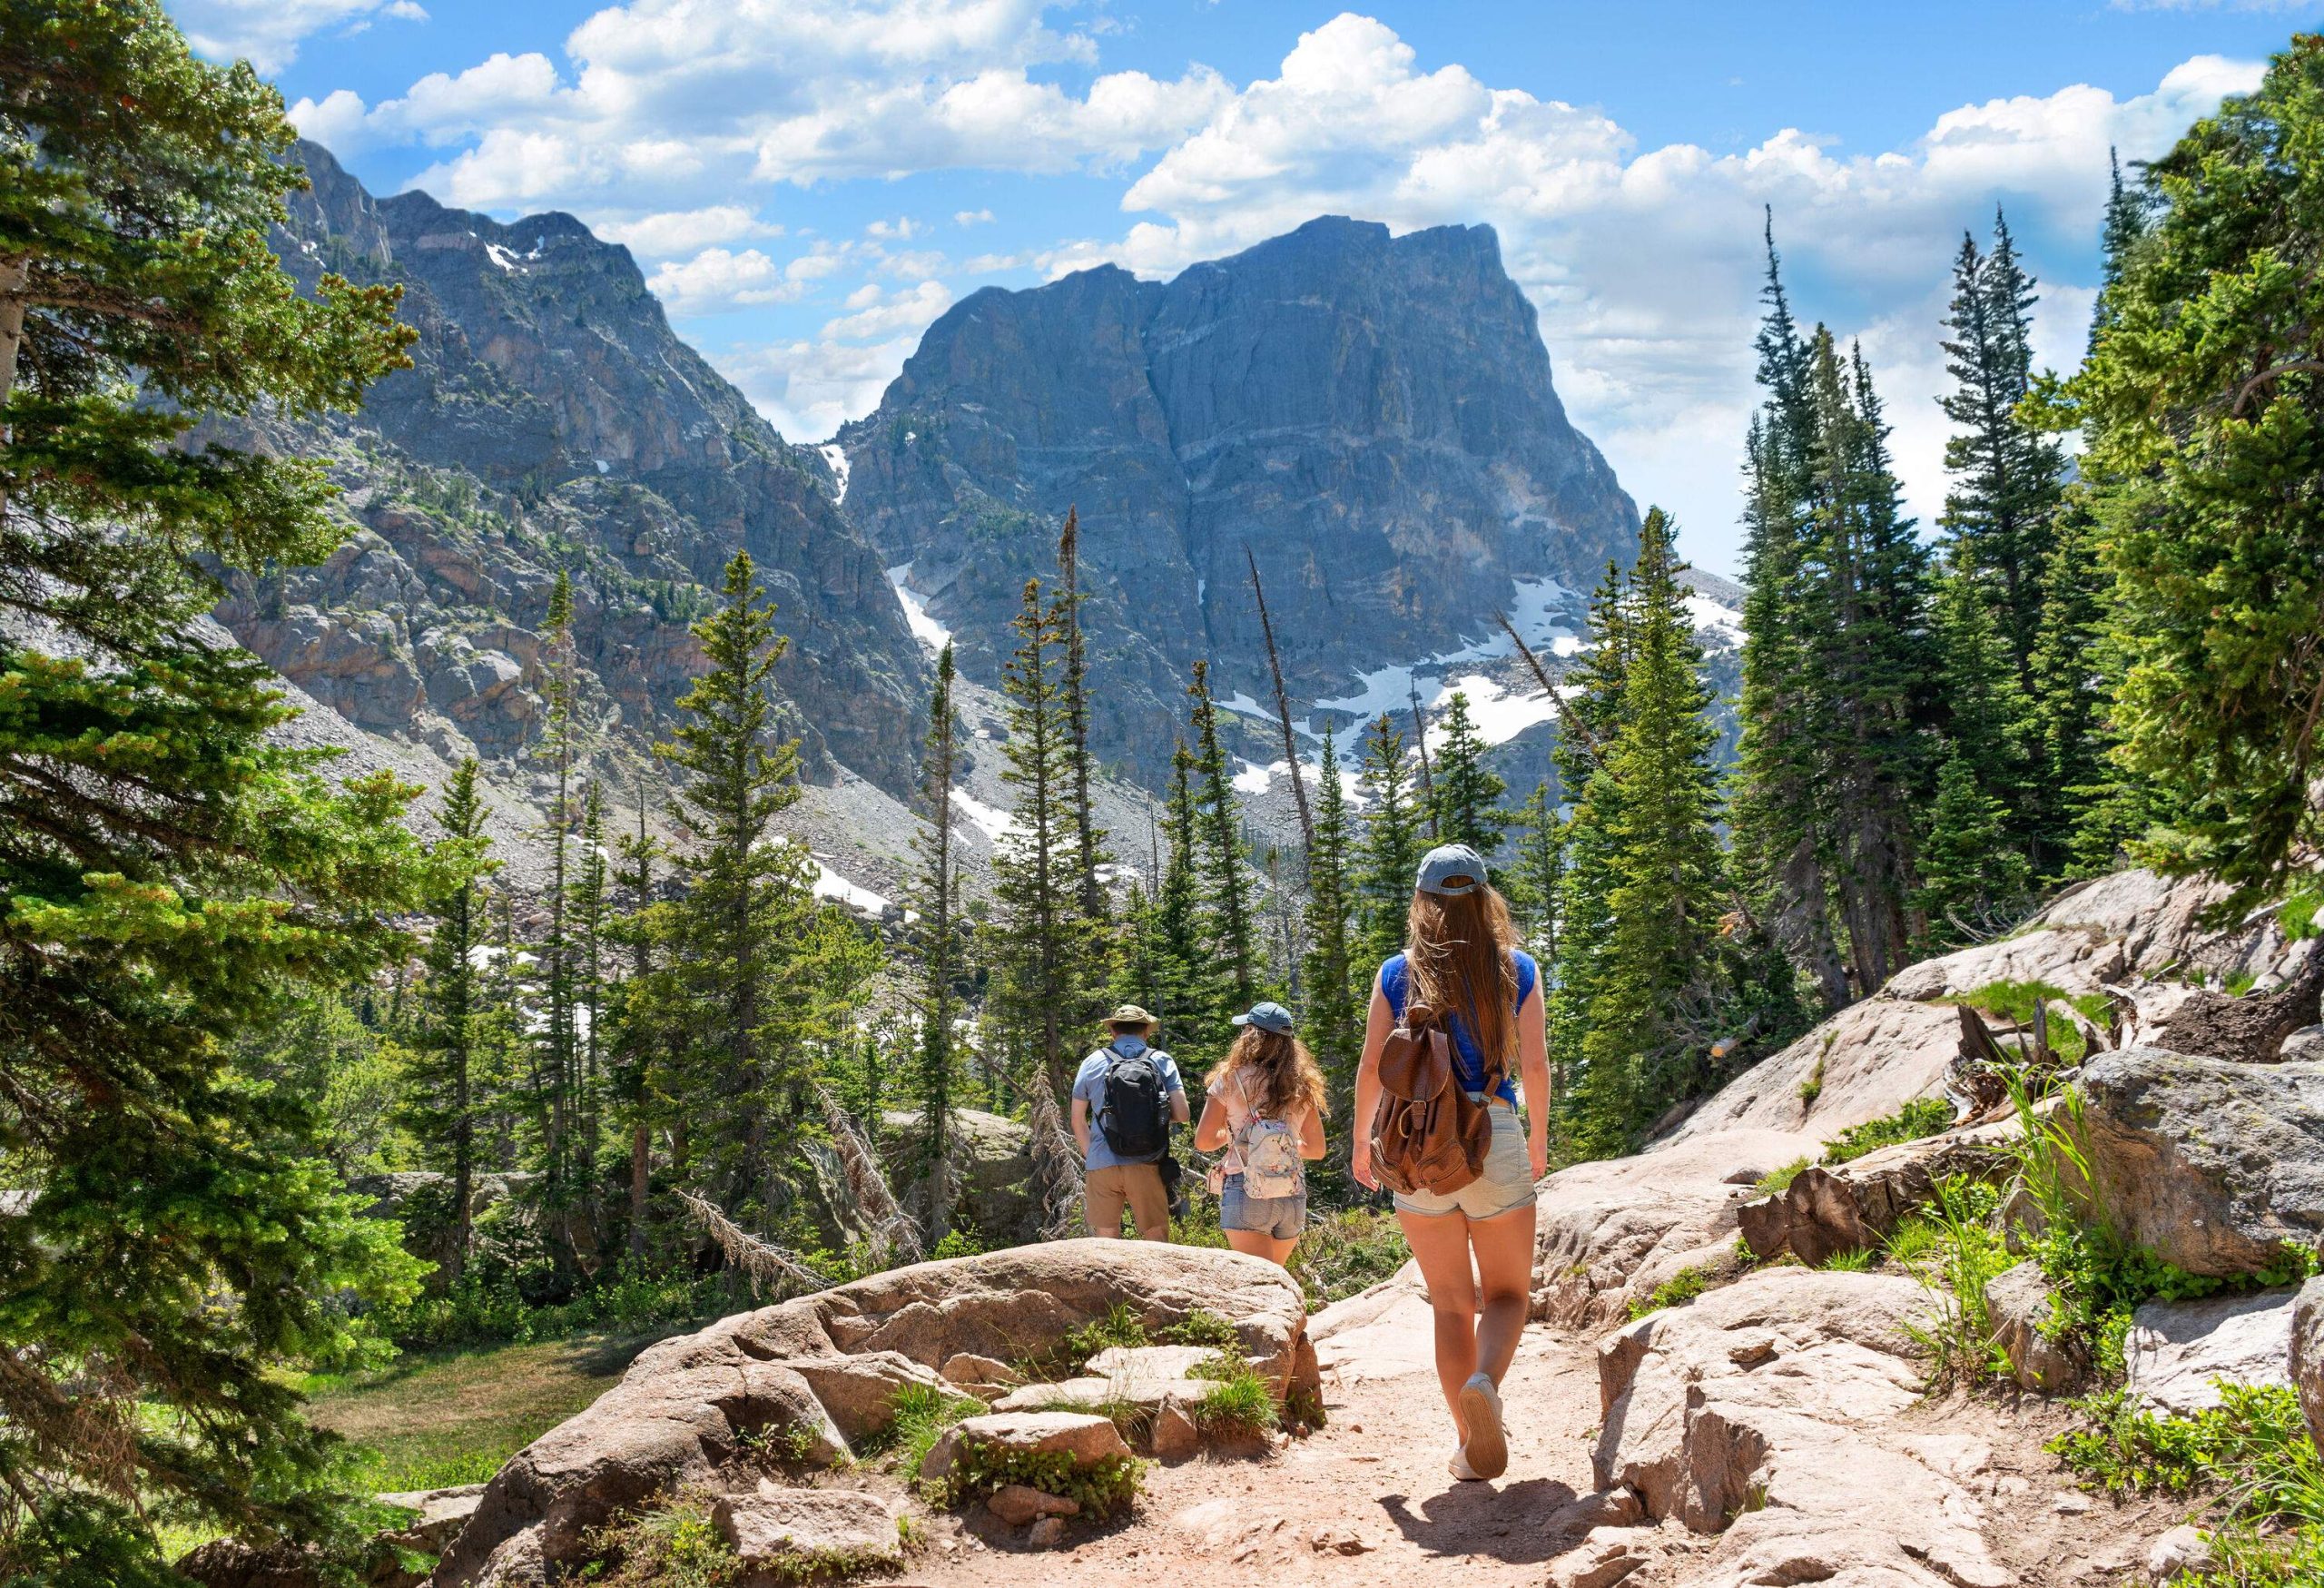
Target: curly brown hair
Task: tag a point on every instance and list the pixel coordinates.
(1279, 1073)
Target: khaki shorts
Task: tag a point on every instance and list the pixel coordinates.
(1135, 1186)
(1506, 1184)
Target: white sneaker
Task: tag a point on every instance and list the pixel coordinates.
(1460, 1468)
(1487, 1451)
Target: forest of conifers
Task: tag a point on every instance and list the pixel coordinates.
(231, 982)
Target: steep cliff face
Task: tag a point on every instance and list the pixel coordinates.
(552, 420)
(1371, 417)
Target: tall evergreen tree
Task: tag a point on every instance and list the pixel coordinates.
(442, 1101)
(176, 875)
(1226, 885)
(730, 992)
(1185, 968)
(937, 900)
(2202, 407)
(586, 918)
(1334, 1014)
(1534, 877)
(1389, 855)
(1467, 792)
(1036, 953)
(1088, 839)
(636, 1088)
(555, 1065)
(1987, 722)
(2007, 476)
(1649, 979)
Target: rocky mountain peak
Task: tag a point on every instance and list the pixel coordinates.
(1369, 417)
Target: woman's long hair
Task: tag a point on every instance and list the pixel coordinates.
(1278, 1073)
(1457, 952)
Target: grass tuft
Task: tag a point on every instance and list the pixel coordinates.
(1676, 1291)
(1778, 1180)
(1921, 1117)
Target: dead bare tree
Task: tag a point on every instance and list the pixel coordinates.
(765, 1265)
(1281, 708)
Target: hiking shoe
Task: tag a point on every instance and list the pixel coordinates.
(1460, 1468)
(1487, 1451)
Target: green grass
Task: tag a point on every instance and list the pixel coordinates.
(1201, 1328)
(1237, 1403)
(1342, 1252)
(2251, 1458)
(1921, 1117)
(1776, 1181)
(922, 1413)
(1856, 1262)
(1676, 1291)
(1813, 1086)
(1111, 1484)
(433, 1421)
(675, 1543)
(2014, 1001)
(1958, 1252)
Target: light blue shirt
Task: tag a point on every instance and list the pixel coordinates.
(1089, 1087)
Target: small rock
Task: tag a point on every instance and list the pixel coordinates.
(1606, 1556)
(1176, 1438)
(442, 1514)
(774, 1528)
(2182, 1549)
(1018, 1503)
(2011, 1483)
(1087, 1438)
(2020, 1300)
(1047, 1533)
(2070, 1505)
(969, 1371)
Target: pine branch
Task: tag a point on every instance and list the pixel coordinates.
(893, 1235)
(764, 1264)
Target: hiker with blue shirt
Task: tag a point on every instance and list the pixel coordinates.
(1462, 964)
(1126, 1097)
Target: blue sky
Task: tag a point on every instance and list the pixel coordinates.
(807, 184)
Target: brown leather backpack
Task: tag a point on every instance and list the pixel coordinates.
(1427, 1134)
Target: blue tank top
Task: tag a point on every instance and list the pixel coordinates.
(1468, 1061)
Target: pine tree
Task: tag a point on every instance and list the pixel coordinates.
(1643, 1047)
(1226, 893)
(442, 1101)
(2007, 476)
(1388, 858)
(176, 875)
(731, 992)
(635, 1085)
(1534, 878)
(1035, 952)
(1334, 1015)
(555, 1064)
(1089, 838)
(1987, 721)
(1970, 873)
(937, 900)
(1467, 792)
(586, 914)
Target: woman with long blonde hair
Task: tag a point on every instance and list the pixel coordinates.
(1461, 959)
(1265, 1107)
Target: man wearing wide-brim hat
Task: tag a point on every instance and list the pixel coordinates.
(1126, 1097)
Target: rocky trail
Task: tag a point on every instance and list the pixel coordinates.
(1700, 1401)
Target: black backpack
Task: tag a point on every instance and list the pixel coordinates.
(1134, 1109)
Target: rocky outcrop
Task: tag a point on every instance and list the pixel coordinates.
(2213, 1165)
(2178, 1352)
(1824, 1212)
(1610, 1233)
(2306, 1361)
(1771, 1413)
(823, 1370)
(995, 1165)
(2020, 1307)
(1371, 416)
(1863, 1063)
(552, 420)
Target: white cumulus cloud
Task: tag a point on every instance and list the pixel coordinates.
(267, 33)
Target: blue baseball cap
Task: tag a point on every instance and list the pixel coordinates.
(1267, 1017)
(1449, 871)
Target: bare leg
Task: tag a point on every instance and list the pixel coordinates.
(1258, 1243)
(1440, 1241)
(1504, 1248)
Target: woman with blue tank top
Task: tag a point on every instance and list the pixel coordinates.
(1461, 957)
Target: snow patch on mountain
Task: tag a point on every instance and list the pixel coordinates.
(916, 617)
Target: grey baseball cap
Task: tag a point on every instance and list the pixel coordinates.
(1449, 871)
(1267, 1017)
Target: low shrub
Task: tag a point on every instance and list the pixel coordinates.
(1676, 1291)
(675, 1544)
(1346, 1250)
(1239, 1403)
(1778, 1180)
(1921, 1117)
(978, 1469)
(1201, 1328)
(1959, 1253)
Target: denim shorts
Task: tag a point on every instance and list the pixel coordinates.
(1282, 1217)
(1506, 1184)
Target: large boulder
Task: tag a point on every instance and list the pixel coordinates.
(2179, 1352)
(823, 1370)
(2214, 1165)
(2306, 1360)
(1863, 1063)
(1610, 1233)
(1823, 1212)
(995, 1166)
(1773, 1412)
